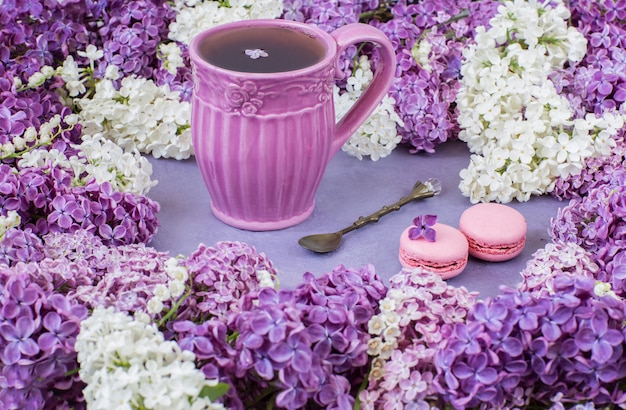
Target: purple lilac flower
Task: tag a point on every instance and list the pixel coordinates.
(132, 33)
(222, 275)
(268, 334)
(339, 305)
(570, 342)
(598, 78)
(224, 282)
(37, 337)
(47, 202)
(20, 246)
(302, 346)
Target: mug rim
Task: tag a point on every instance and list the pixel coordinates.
(329, 44)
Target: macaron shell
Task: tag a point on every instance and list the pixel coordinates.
(446, 256)
(495, 232)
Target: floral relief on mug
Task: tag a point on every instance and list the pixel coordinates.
(244, 98)
(251, 97)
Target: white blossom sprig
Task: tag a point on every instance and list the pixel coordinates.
(98, 158)
(33, 139)
(139, 115)
(126, 363)
(520, 130)
(377, 136)
(194, 16)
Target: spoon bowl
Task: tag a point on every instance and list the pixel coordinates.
(321, 242)
(328, 242)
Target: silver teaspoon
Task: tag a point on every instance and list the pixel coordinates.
(328, 242)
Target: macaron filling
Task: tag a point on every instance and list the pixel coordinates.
(503, 249)
(410, 261)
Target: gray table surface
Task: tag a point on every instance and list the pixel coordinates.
(350, 188)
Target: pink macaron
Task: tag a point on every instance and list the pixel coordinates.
(445, 256)
(495, 232)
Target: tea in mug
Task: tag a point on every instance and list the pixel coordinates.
(262, 50)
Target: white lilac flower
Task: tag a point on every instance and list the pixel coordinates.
(74, 76)
(171, 55)
(421, 52)
(193, 16)
(266, 279)
(126, 363)
(161, 291)
(176, 288)
(154, 305)
(36, 80)
(139, 116)
(519, 129)
(376, 325)
(378, 136)
(603, 289)
(92, 53)
(125, 170)
(10, 221)
(374, 346)
(177, 272)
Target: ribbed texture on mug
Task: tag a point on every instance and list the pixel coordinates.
(262, 169)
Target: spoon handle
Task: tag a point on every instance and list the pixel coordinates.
(421, 190)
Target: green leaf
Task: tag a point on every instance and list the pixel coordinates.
(214, 392)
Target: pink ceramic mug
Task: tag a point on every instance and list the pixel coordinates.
(263, 120)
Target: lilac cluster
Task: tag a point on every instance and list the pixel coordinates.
(39, 33)
(305, 346)
(47, 201)
(276, 347)
(339, 305)
(34, 34)
(517, 350)
(308, 345)
(224, 280)
(406, 335)
(556, 258)
(38, 365)
(597, 223)
(424, 95)
(42, 304)
(425, 92)
(124, 277)
(81, 267)
(598, 82)
(131, 35)
(221, 275)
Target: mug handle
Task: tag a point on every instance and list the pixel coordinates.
(385, 71)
